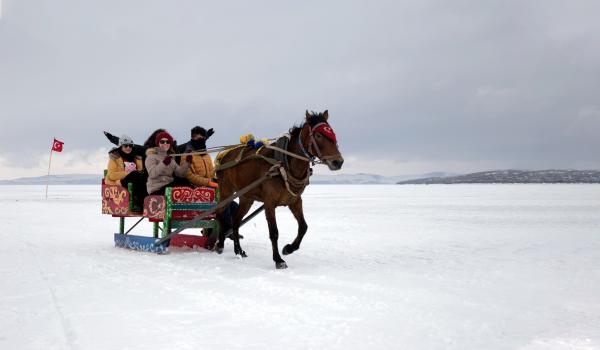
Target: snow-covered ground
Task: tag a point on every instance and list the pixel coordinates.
(382, 267)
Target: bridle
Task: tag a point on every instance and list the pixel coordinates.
(313, 146)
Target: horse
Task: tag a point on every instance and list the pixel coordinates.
(313, 141)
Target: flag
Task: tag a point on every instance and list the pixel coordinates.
(57, 145)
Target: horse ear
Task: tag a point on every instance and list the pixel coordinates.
(307, 115)
(326, 114)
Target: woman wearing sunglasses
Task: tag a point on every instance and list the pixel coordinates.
(163, 171)
(138, 150)
(124, 168)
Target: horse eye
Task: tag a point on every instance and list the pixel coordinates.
(318, 136)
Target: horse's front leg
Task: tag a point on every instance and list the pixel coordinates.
(274, 236)
(296, 209)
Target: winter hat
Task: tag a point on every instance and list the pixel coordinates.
(163, 135)
(198, 130)
(125, 140)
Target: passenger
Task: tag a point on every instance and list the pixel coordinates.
(202, 170)
(138, 150)
(163, 171)
(202, 173)
(124, 168)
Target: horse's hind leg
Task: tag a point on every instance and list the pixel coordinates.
(220, 245)
(296, 209)
(220, 216)
(274, 236)
(243, 208)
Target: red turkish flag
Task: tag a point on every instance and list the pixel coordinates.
(57, 145)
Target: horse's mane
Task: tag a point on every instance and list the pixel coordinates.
(314, 118)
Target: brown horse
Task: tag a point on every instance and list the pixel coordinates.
(314, 140)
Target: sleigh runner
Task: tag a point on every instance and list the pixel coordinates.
(177, 207)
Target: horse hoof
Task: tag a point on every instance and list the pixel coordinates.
(219, 250)
(287, 249)
(281, 265)
(243, 254)
(210, 246)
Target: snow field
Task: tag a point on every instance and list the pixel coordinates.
(382, 266)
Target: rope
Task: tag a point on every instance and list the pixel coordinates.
(235, 162)
(222, 148)
(287, 179)
(212, 149)
(275, 148)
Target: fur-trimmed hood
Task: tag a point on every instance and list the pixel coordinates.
(114, 154)
(156, 150)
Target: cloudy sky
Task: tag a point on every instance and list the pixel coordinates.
(411, 87)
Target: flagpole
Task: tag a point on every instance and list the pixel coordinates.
(49, 162)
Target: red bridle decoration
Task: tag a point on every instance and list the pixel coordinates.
(325, 130)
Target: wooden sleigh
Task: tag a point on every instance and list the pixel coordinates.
(176, 208)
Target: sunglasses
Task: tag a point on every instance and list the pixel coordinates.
(165, 142)
(127, 145)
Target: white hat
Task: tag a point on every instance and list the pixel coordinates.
(125, 140)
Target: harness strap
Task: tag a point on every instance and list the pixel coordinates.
(213, 149)
(275, 148)
(271, 173)
(237, 160)
(288, 178)
(306, 153)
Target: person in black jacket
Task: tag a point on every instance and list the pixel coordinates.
(199, 135)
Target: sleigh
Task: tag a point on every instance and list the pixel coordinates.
(175, 209)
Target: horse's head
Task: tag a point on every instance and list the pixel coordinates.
(321, 141)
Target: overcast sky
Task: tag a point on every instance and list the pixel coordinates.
(411, 87)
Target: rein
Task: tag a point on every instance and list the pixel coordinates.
(212, 149)
(308, 154)
(297, 156)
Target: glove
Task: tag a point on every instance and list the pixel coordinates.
(213, 184)
(167, 160)
(188, 158)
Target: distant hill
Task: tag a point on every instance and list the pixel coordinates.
(347, 179)
(69, 179)
(368, 179)
(514, 176)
